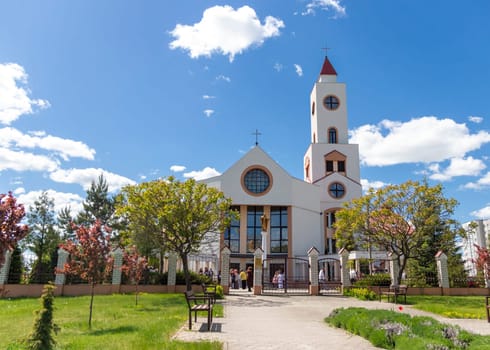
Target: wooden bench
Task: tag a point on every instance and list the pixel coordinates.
(199, 303)
(394, 292)
(210, 291)
(487, 307)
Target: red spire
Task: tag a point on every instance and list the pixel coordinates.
(327, 68)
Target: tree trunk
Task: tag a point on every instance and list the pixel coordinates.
(91, 305)
(185, 265)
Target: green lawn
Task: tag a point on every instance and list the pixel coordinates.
(450, 306)
(117, 323)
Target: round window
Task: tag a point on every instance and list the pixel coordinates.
(331, 102)
(336, 190)
(256, 181)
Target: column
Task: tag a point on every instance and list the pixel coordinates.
(117, 267)
(4, 271)
(258, 271)
(60, 266)
(172, 272)
(225, 269)
(394, 269)
(344, 265)
(313, 260)
(442, 270)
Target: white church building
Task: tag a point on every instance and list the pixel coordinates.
(300, 213)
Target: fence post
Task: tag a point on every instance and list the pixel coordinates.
(344, 273)
(60, 266)
(225, 269)
(313, 260)
(258, 271)
(172, 272)
(117, 269)
(442, 270)
(4, 271)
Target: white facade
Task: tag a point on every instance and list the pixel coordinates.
(479, 236)
(300, 213)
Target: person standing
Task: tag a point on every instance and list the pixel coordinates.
(321, 276)
(243, 278)
(280, 280)
(250, 278)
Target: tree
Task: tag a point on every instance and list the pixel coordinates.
(90, 257)
(43, 238)
(134, 267)
(411, 220)
(11, 230)
(98, 205)
(42, 337)
(65, 224)
(181, 216)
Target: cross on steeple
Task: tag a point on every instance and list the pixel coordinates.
(326, 50)
(256, 133)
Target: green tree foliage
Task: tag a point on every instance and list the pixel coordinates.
(43, 238)
(411, 220)
(11, 229)
(16, 267)
(65, 224)
(90, 257)
(42, 336)
(176, 216)
(98, 205)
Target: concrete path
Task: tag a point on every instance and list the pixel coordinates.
(293, 322)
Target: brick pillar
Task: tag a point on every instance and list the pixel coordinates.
(313, 259)
(225, 269)
(172, 272)
(60, 265)
(344, 266)
(258, 271)
(394, 269)
(117, 267)
(442, 270)
(4, 271)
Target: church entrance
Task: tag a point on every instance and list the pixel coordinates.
(283, 275)
(329, 282)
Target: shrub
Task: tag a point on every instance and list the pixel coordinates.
(360, 293)
(379, 279)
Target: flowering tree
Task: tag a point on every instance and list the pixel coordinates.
(90, 256)
(134, 267)
(483, 262)
(11, 231)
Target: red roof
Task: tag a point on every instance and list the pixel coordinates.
(327, 68)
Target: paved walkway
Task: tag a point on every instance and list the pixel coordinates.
(293, 322)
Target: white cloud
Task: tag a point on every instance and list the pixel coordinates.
(420, 140)
(177, 168)
(19, 190)
(84, 177)
(278, 67)
(22, 161)
(14, 96)
(61, 200)
(366, 184)
(206, 173)
(223, 30)
(208, 97)
(208, 112)
(457, 167)
(325, 5)
(483, 213)
(483, 182)
(475, 119)
(223, 77)
(65, 148)
(298, 69)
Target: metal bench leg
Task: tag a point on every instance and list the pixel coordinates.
(190, 319)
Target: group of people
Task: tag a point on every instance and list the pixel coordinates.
(278, 279)
(243, 279)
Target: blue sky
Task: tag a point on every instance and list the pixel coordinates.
(144, 89)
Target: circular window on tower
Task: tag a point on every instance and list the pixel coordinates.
(331, 102)
(336, 190)
(256, 180)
